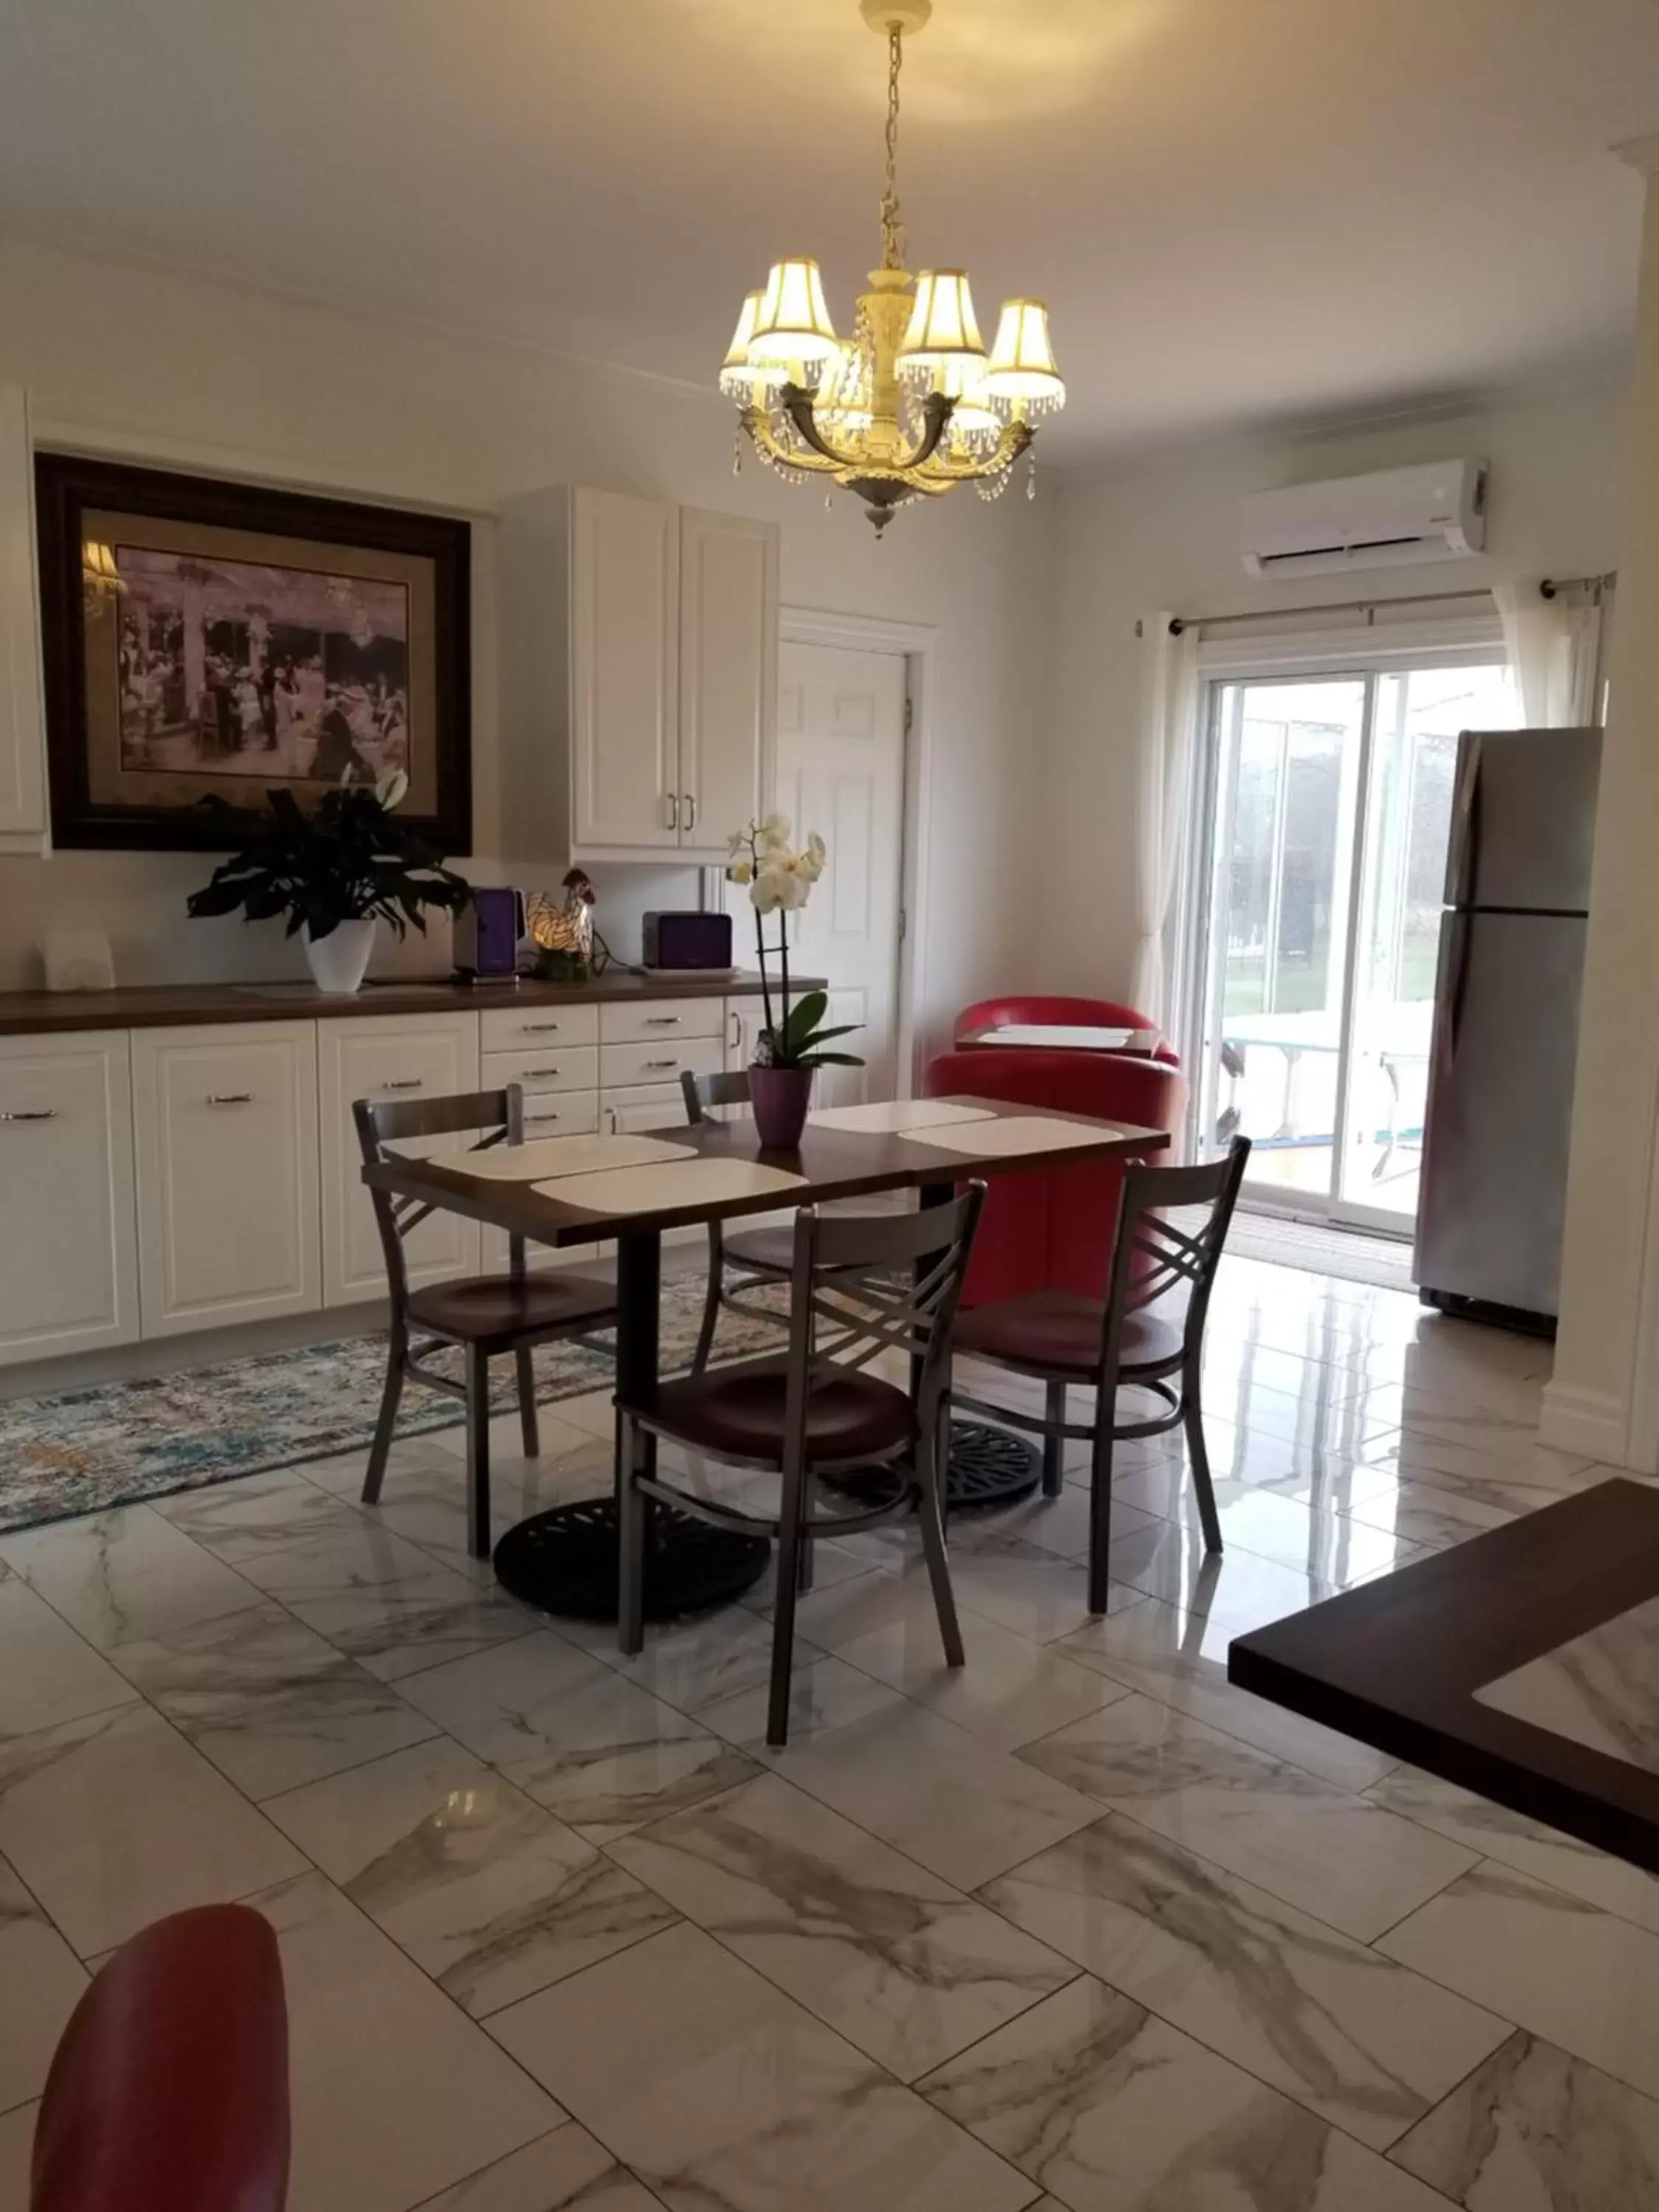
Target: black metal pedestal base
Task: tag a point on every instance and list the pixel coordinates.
(564, 1561)
(989, 1467)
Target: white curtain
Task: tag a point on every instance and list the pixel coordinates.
(1555, 650)
(1168, 720)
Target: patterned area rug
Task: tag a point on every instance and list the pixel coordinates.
(81, 1451)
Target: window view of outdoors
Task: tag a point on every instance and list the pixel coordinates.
(1298, 1035)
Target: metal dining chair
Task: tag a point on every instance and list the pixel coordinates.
(761, 1256)
(1122, 1342)
(484, 1314)
(861, 1287)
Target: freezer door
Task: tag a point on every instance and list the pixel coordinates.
(1493, 1189)
(1523, 820)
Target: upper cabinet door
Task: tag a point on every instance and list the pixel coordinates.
(728, 674)
(624, 653)
(23, 773)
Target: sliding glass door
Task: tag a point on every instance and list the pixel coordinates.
(1328, 808)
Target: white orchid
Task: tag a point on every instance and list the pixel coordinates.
(779, 881)
(391, 789)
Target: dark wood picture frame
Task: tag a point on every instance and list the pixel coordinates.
(67, 486)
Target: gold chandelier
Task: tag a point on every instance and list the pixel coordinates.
(912, 406)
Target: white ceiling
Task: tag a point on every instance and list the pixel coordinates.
(1240, 211)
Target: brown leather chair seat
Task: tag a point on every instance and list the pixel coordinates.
(772, 1248)
(1063, 1332)
(483, 1309)
(739, 1411)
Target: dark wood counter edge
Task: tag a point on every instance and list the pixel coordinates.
(1395, 1663)
(169, 1005)
(873, 1161)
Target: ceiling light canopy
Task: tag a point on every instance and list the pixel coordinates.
(911, 404)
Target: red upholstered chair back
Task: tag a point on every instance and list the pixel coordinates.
(168, 2090)
(1059, 1013)
(1052, 1228)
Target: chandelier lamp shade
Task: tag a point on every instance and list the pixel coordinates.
(911, 404)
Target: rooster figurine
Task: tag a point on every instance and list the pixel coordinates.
(563, 933)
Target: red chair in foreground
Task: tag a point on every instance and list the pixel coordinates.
(168, 2089)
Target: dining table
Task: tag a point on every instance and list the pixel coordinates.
(632, 1189)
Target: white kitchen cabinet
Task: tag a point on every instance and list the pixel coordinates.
(22, 725)
(728, 663)
(225, 1129)
(644, 1106)
(385, 1057)
(69, 1264)
(641, 675)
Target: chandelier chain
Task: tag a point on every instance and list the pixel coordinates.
(892, 232)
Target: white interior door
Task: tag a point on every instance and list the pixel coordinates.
(841, 771)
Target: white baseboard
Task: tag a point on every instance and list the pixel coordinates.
(1592, 1423)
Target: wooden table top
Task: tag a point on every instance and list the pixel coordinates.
(831, 1164)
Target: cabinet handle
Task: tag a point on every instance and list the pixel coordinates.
(615, 1113)
(408, 1083)
(662, 1021)
(542, 1117)
(734, 1028)
(31, 1113)
(690, 810)
(660, 1063)
(541, 1029)
(529, 1074)
(230, 1098)
(673, 809)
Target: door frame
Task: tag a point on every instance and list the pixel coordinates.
(918, 643)
(1336, 655)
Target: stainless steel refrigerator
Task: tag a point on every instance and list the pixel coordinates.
(1505, 1037)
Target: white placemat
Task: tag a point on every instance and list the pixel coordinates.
(1008, 1138)
(543, 1157)
(895, 1115)
(655, 1189)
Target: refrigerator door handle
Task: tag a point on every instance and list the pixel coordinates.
(1451, 1005)
(1464, 843)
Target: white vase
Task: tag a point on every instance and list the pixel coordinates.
(338, 961)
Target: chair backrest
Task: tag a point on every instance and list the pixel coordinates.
(703, 1091)
(1048, 1011)
(1153, 1255)
(863, 1285)
(168, 2091)
(383, 1123)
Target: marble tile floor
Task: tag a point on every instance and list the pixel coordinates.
(1082, 1927)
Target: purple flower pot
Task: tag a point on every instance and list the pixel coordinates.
(780, 1098)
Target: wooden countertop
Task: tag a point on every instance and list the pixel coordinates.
(165, 1005)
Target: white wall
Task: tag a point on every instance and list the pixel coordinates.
(147, 364)
(1164, 533)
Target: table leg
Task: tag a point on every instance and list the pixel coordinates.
(566, 1560)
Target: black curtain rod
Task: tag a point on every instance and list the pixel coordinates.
(1551, 588)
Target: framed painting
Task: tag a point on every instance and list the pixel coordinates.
(209, 638)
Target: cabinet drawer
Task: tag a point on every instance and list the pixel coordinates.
(225, 1120)
(663, 1060)
(555, 1067)
(516, 1029)
(637, 1021)
(68, 1269)
(386, 1057)
(560, 1113)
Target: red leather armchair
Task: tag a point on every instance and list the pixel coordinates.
(1059, 1013)
(168, 2089)
(1052, 1229)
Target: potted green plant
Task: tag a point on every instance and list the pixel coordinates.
(334, 872)
(791, 1046)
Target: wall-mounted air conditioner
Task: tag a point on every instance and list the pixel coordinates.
(1389, 519)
